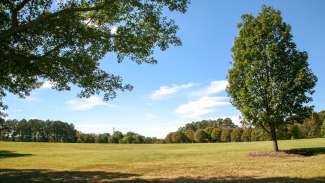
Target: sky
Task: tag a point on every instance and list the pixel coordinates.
(188, 83)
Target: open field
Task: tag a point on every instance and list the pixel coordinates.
(223, 162)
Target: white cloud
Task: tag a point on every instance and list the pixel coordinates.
(207, 102)
(47, 84)
(164, 91)
(213, 88)
(84, 104)
(217, 86)
(202, 106)
(235, 119)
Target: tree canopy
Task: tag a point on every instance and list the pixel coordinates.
(62, 41)
(270, 81)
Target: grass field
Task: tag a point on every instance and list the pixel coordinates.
(223, 162)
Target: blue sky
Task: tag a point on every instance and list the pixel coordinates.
(188, 82)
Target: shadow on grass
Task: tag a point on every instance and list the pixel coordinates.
(33, 176)
(11, 154)
(307, 151)
(48, 176)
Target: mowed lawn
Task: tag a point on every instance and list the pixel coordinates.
(220, 162)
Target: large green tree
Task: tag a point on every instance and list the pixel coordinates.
(270, 81)
(62, 41)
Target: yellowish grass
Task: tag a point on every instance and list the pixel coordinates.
(165, 161)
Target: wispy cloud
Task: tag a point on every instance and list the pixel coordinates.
(214, 87)
(204, 100)
(165, 91)
(201, 106)
(235, 119)
(84, 104)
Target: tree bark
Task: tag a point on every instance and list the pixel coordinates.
(274, 138)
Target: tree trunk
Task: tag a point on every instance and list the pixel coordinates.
(274, 138)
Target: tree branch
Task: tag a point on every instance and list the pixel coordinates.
(14, 12)
(264, 128)
(21, 5)
(10, 3)
(42, 18)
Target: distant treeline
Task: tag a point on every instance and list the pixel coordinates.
(224, 130)
(220, 130)
(35, 130)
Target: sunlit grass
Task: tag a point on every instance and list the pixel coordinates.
(167, 161)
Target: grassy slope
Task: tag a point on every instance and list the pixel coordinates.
(168, 161)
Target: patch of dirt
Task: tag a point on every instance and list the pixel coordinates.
(280, 154)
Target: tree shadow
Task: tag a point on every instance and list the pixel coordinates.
(11, 154)
(229, 180)
(48, 176)
(307, 151)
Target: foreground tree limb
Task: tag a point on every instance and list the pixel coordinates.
(62, 41)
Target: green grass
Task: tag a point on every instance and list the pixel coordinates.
(223, 162)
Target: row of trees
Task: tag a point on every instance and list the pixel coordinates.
(35, 130)
(205, 131)
(117, 137)
(224, 130)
